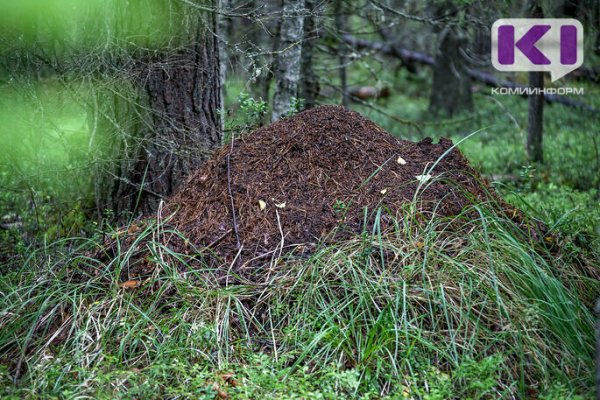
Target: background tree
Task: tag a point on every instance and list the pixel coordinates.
(451, 85)
(341, 27)
(166, 120)
(309, 85)
(287, 67)
(535, 119)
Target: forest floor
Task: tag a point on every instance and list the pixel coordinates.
(477, 303)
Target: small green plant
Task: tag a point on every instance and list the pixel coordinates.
(296, 105)
(528, 177)
(254, 110)
(340, 207)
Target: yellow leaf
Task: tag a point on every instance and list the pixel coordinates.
(401, 161)
(262, 204)
(384, 191)
(130, 284)
(280, 205)
(133, 229)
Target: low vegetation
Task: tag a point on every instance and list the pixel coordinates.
(416, 311)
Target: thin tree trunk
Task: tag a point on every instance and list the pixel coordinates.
(309, 84)
(223, 32)
(262, 39)
(451, 87)
(287, 70)
(341, 26)
(535, 117)
(451, 84)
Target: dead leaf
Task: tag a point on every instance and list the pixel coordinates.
(384, 191)
(130, 284)
(262, 204)
(280, 205)
(229, 378)
(221, 394)
(423, 178)
(133, 229)
(401, 161)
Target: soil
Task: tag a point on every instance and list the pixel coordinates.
(289, 185)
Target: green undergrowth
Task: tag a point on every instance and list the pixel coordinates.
(482, 310)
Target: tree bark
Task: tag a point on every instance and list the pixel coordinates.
(263, 40)
(309, 83)
(535, 117)
(341, 26)
(223, 33)
(167, 131)
(287, 70)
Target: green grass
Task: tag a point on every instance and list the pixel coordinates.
(417, 310)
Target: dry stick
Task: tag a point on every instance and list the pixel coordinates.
(217, 240)
(235, 225)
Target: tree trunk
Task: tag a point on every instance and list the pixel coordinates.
(223, 33)
(309, 84)
(535, 117)
(167, 131)
(341, 26)
(287, 70)
(263, 40)
(451, 87)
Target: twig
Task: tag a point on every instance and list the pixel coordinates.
(434, 21)
(217, 240)
(235, 225)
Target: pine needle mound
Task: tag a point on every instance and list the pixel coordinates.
(290, 184)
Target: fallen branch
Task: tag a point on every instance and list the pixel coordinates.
(235, 224)
(409, 57)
